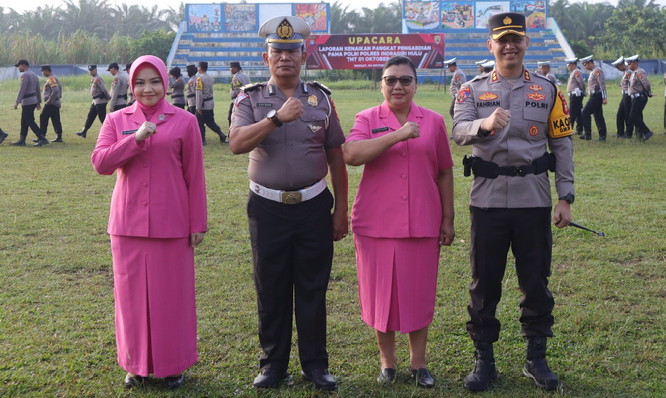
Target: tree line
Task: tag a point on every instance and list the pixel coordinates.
(93, 31)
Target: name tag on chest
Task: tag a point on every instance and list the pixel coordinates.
(380, 130)
(128, 132)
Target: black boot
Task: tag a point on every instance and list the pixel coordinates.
(20, 142)
(82, 133)
(41, 141)
(536, 366)
(484, 373)
(58, 138)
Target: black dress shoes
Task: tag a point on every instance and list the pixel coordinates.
(132, 381)
(386, 376)
(270, 378)
(174, 382)
(81, 134)
(321, 378)
(423, 378)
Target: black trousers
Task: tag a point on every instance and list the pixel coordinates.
(636, 117)
(96, 111)
(118, 107)
(207, 118)
(622, 118)
(231, 110)
(594, 107)
(453, 104)
(50, 112)
(28, 121)
(527, 232)
(292, 247)
(181, 106)
(575, 111)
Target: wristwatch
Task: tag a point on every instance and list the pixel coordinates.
(569, 198)
(272, 116)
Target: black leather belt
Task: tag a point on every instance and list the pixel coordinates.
(191, 95)
(177, 96)
(29, 95)
(207, 99)
(99, 96)
(123, 96)
(486, 169)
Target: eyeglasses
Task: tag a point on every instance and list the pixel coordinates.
(404, 80)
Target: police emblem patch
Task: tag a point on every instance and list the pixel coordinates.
(534, 130)
(312, 100)
(487, 96)
(536, 97)
(463, 94)
(535, 87)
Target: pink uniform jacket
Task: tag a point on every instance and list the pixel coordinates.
(160, 189)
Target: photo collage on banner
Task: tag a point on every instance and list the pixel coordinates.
(449, 16)
(246, 18)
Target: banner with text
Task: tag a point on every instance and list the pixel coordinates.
(371, 51)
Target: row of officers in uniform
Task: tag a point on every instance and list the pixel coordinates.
(194, 92)
(634, 85)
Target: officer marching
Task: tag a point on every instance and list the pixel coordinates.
(639, 91)
(100, 97)
(52, 93)
(190, 90)
(238, 80)
(205, 103)
(30, 98)
(543, 68)
(119, 87)
(596, 87)
(576, 91)
(511, 118)
(457, 80)
(622, 117)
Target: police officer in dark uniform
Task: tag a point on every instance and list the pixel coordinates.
(576, 91)
(29, 97)
(596, 87)
(294, 138)
(52, 94)
(622, 117)
(205, 103)
(512, 117)
(100, 97)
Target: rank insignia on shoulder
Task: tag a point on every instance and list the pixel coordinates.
(380, 130)
(312, 100)
(527, 75)
(241, 96)
(320, 86)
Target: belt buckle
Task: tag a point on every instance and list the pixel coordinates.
(291, 197)
(518, 171)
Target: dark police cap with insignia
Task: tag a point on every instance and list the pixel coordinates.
(234, 64)
(113, 65)
(506, 23)
(46, 67)
(22, 62)
(203, 65)
(175, 71)
(92, 67)
(285, 33)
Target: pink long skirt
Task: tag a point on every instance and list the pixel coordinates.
(397, 281)
(156, 322)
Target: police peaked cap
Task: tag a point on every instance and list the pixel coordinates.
(235, 64)
(587, 59)
(571, 61)
(285, 32)
(618, 61)
(46, 67)
(92, 67)
(632, 58)
(22, 62)
(543, 63)
(450, 62)
(175, 71)
(481, 62)
(488, 64)
(507, 23)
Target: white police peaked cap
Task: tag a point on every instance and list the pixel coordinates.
(488, 64)
(543, 63)
(481, 62)
(632, 58)
(450, 61)
(285, 32)
(618, 61)
(586, 59)
(571, 60)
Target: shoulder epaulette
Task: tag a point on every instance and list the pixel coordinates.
(320, 86)
(251, 87)
(480, 77)
(546, 79)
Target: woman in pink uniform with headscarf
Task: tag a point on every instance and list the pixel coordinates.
(402, 214)
(158, 214)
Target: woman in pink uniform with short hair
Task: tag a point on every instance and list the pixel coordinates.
(402, 214)
(158, 214)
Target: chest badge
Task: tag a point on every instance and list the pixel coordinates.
(312, 100)
(536, 96)
(535, 87)
(161, 118)
(534, 131)
(487, 96)
(314, 128)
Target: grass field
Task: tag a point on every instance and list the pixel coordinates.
(56, 294)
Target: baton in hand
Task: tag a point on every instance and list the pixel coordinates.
(573, 224)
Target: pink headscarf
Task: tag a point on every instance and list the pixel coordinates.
(156, 63)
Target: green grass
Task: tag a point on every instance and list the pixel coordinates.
(56, 297)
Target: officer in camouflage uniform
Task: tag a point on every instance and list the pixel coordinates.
(596, 87)
(622, 118)
(52, 93)
(511, 118)
(205, 103)
(238, 80)
(119, 88)
(294, 137)
(576, 91)
(30, 98)
(457, 79)
(100, 97)
(639, 91)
